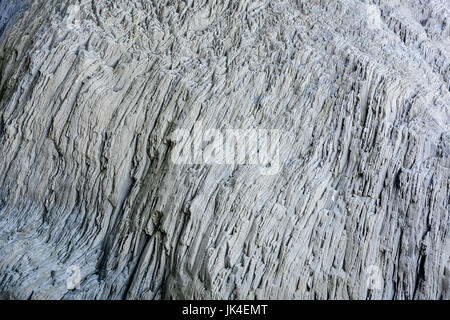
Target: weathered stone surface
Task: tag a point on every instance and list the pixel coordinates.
(91, 91)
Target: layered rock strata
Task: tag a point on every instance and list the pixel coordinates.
(91, 93)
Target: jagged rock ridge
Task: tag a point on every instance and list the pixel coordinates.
(91, 91)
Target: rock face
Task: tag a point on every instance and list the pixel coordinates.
(91, 93)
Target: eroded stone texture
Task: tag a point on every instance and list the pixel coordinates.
(91, 91)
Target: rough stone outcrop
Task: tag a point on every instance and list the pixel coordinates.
(91, 91)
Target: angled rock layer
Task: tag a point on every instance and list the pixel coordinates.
(92, 91)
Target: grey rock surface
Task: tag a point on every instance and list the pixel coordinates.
(91, 92)
(9, 12)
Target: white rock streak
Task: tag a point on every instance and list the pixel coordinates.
(91, 92)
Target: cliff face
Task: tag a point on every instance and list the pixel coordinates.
(91, 93)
